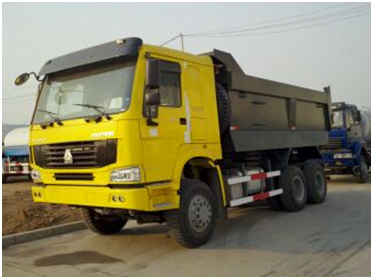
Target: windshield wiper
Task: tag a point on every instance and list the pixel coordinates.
(96, 108)
(52, 115)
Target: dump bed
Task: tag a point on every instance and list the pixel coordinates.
(268, 114)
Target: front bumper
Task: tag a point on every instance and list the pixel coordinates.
(331, 162)
(150, 198)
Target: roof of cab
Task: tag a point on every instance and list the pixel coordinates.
(113, 50)
(182, 55)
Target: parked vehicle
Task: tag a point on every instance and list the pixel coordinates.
(126, 131)
(348, 150)
(15, 153)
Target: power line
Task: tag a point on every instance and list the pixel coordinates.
(170, 40)
(15, 95)
(21, 100)
(273, 20)
(357, 11)
(19, 97)
(32, 95)
(15, 88)
(285, 30)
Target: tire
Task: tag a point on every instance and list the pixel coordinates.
(294, 185)
(102, 224)
(362, 177)
(5, 178)
(275, 203)
(224, 108)
(186, 224)
(316, 182)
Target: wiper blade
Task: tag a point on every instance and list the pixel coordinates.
(52, 115)
(96, 108)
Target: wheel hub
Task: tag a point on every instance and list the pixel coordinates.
(200, 213)
(298, 188)
(319, 183)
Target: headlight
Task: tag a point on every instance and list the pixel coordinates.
(126, 175)
(35, 175)
(342, 155)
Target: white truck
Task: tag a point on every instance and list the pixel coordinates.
(15, 155)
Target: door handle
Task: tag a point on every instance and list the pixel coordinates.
(183, 121)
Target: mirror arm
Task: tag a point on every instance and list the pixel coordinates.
(149, 120)
(39, 79)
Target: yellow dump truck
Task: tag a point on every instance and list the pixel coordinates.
(125, 130)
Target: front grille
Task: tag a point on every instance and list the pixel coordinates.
(73, 176)
(334, 143)
(71, 155)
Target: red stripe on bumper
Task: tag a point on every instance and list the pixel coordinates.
(258, 176)
(261, 196)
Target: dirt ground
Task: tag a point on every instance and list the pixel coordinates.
(328, 239)
(21, 214)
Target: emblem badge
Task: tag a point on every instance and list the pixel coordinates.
(68, 158)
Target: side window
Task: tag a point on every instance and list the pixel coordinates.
(170, 85)
(349, 118)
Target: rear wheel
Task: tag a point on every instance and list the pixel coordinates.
(362, 175)
(102, 223)
(294, 185)
(193, 224)
(275, 203)
(316, 182)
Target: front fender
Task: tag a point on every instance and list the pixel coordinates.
(185, 153)
(210, 152)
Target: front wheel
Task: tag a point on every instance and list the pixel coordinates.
(362, 175)
(5, 178)
(102, 223)
(193, 224)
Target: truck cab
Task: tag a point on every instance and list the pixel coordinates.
(348, 150)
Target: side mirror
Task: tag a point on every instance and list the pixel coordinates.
(22, 79)
(153, 73)
(152, 101)
(152, 98)
(357, 116)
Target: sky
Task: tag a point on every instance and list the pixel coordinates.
(336, 54)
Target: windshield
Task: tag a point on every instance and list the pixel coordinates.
(337, 116)
(107, 87)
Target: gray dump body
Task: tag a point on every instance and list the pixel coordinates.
(271, 115)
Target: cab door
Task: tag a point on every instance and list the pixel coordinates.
(353, 125)
(160, 141)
